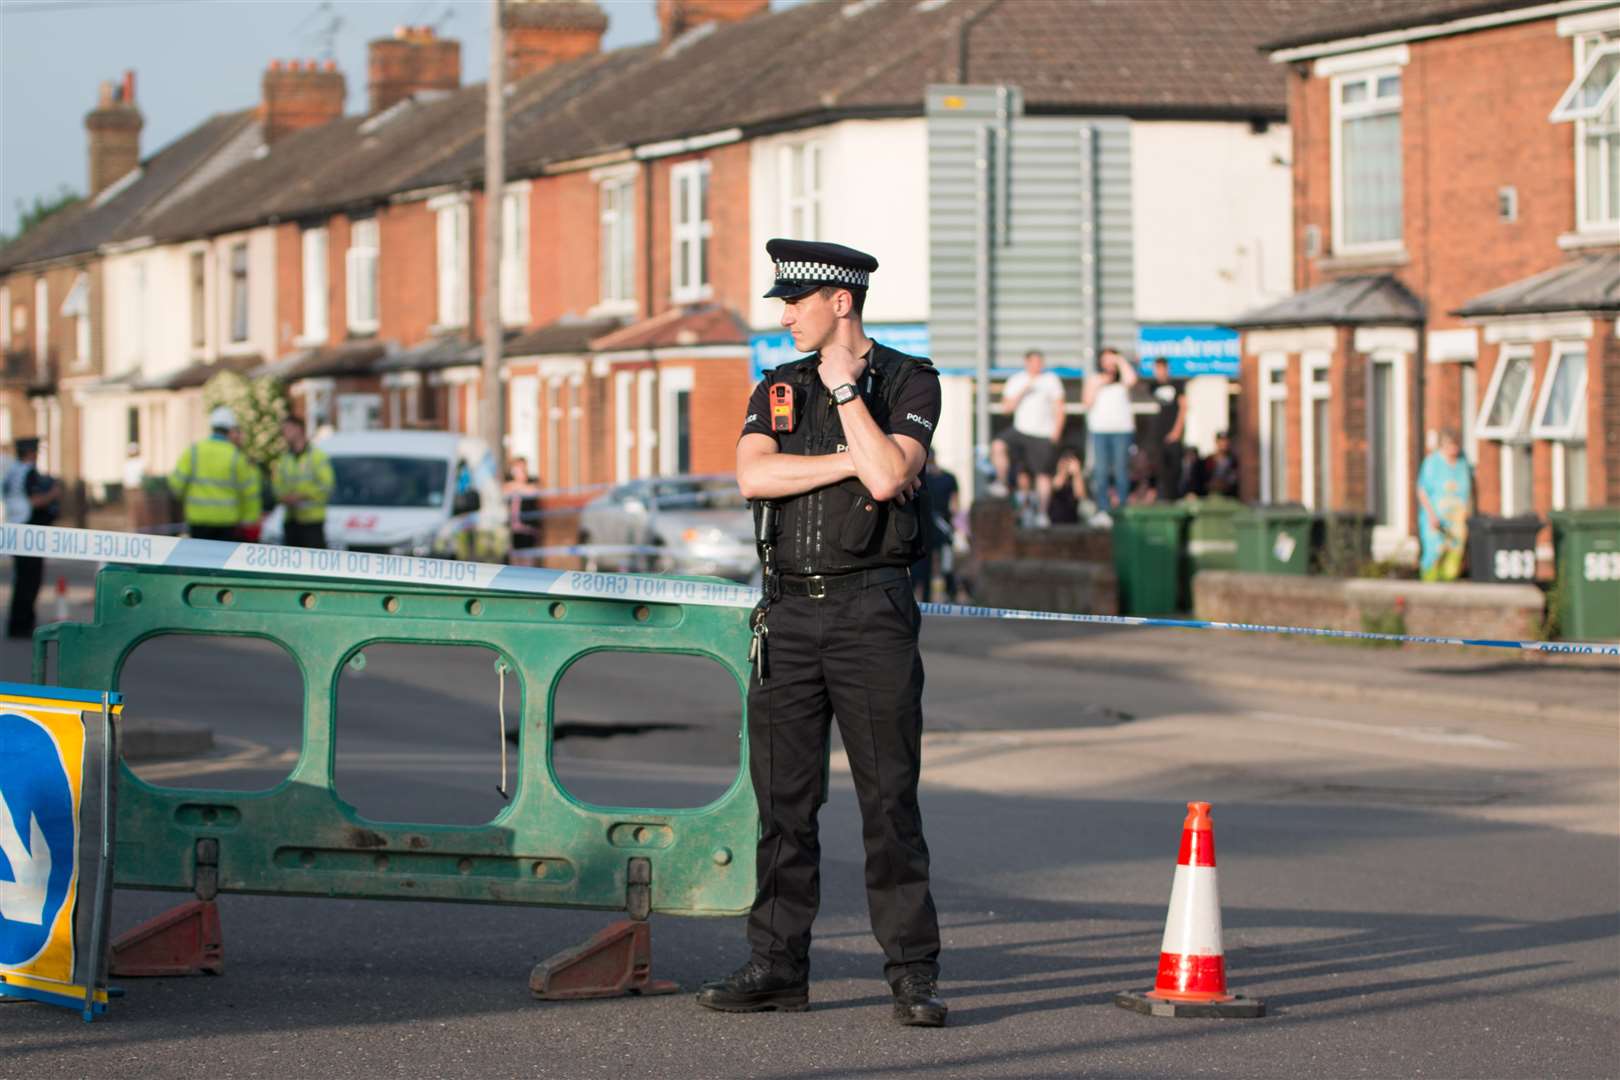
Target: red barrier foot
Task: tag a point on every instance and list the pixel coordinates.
(185, 940)
(615, 962)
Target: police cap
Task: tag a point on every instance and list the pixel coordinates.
(802, 266)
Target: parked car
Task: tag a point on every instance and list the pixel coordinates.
(412, 493)
(699, 524)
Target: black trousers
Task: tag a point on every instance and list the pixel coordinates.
(213, 532)
(1169, 472)
(27, 573)
(852, 655)
(304, 536)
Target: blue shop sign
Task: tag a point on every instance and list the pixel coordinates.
(1191, 350)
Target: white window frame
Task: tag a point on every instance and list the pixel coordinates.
(646, 422)
(624, 435)
(671, 382)
(1574, 430)
(616, 244)
(515, 255)
(1567, 110)
(1588, 49)
(197, 298)
(1271, 393)
(362, 262)
(451, 255)
(313, 244)
(1373, 106)
(523, 401)
(686, 282)
(1508, 454)
(42, 324)
(801, 160)
(76, 306)
(1515, 427)
(1388, 538)
(231, 335)
(1312, 391)
(554, 422)
(576, 431)
(5, 319)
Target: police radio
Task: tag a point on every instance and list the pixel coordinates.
(781, 395)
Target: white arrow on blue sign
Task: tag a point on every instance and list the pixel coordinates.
(37, 828)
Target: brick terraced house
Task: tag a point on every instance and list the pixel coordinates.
(1456, 168)
(342, 253)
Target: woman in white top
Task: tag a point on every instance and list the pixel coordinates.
(1112, 426)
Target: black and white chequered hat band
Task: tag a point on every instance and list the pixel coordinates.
(822, 273)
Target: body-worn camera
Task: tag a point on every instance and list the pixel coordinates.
(781, 395)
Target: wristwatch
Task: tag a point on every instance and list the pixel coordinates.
(845, 394)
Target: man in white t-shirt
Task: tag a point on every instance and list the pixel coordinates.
(1034, 399)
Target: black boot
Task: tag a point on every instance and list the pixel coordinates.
(755, 987)
(917, 1003)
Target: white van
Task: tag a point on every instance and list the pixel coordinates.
(412, 493)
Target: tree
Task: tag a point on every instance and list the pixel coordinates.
(43, 206)
(260, 406)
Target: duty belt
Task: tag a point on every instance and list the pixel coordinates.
(816, 586)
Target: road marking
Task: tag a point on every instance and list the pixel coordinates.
(1433, 735)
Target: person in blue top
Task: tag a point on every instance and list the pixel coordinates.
(1445, 494)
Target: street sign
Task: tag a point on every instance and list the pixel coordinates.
(55, 843)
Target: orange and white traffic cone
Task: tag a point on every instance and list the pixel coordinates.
(1192, 965)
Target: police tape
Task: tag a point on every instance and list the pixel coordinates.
(138, 549)
(589, 551)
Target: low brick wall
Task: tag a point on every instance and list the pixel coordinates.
(1082, 588)
(1450, 609)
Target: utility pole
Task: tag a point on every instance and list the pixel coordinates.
(491, 405)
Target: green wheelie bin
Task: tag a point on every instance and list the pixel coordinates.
(1588, 547)
(1148, 549)
(1274, 540)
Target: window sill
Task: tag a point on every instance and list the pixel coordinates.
(238, 348)
(440, 329)
(611, 308)
(310, 341)
(362, 332)
(1365, 260)
(695, 296)
(1576, 241)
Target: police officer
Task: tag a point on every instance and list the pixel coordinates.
(830, 454)
(302, 482)
(216, 482)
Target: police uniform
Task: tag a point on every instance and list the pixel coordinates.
(836, 636)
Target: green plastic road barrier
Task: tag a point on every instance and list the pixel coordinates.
(1274, 540)
(1588, 545)
(301, 839)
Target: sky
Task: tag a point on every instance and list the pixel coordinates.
(194, 58)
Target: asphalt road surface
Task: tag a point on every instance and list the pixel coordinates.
(1415, 891)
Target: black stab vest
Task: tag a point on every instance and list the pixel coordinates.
(841, 528)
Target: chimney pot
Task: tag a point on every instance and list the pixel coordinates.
(129, 87)
(676, 17)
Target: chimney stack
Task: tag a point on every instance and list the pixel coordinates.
(114, 127)
(676, 17)
(541, 33)
(414, 59)
(298, 96)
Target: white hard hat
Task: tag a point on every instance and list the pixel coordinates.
(222, 418)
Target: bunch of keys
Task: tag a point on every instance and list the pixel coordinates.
(756, 648)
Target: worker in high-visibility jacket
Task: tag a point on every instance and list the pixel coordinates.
(302, 481)
(218, 484)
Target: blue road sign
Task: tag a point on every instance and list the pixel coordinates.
(38, 852)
